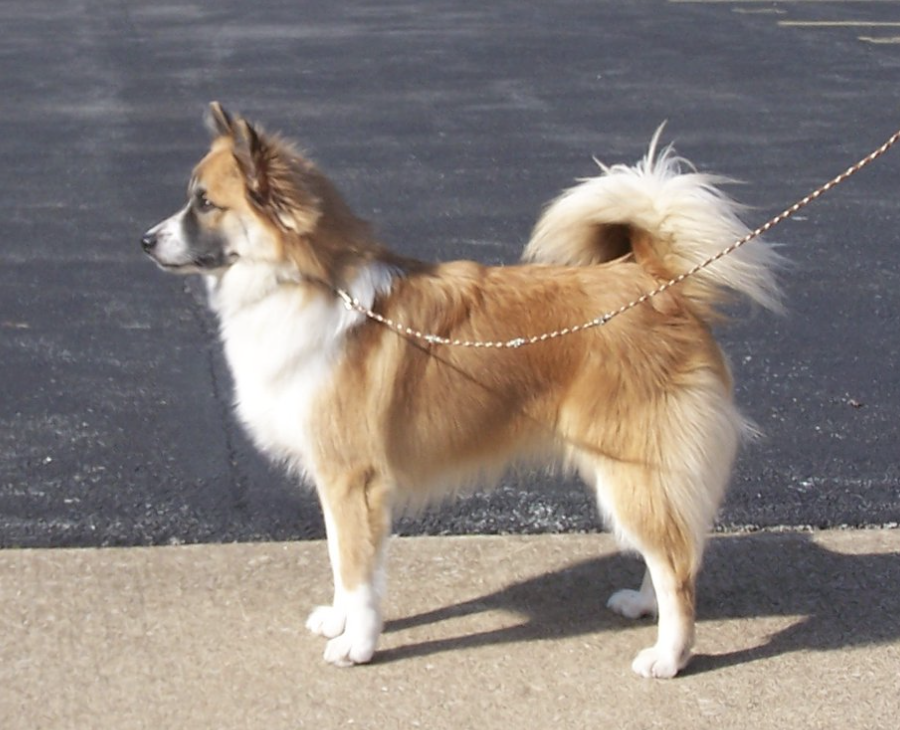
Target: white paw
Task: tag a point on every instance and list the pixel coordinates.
(631, 604)
(353, 628)
(349, 649)
(659, 664)
(327, 621)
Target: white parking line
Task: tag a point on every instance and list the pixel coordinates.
(840, 23)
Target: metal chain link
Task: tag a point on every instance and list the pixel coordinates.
(353, 304)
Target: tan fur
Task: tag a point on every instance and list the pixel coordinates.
(641, 407)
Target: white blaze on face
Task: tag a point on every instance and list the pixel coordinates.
(172, 248)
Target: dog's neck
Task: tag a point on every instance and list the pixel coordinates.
(245, 285)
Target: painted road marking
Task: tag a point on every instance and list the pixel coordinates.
(840, 23)
(810, 24)
(780, 2)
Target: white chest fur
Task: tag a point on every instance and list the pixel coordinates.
(282, 339)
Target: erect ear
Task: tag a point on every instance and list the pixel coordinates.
(218, 121)
(253, 156)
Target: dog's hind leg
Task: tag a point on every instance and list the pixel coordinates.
(675, 585)
(634, 604)
(358, 522)
(642, 513)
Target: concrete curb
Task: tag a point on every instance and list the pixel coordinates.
(795, 629)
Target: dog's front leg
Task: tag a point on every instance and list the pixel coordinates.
(357, 522)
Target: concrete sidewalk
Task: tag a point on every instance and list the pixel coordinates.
(795, 630)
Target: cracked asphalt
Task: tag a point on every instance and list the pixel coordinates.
(449, 125)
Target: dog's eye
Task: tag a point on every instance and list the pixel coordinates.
(204, 204)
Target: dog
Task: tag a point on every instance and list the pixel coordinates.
(378, 418)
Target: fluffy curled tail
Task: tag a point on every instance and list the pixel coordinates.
(669, 218)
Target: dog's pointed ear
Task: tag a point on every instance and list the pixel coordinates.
(218, 121)
(252, 154)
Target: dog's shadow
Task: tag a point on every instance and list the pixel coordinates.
(840, 600)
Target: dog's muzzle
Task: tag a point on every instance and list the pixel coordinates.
(158, 245)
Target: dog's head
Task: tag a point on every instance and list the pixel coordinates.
(253, 198)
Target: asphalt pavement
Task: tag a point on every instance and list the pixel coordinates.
(449, 125)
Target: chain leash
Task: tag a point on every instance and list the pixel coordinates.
(353, 304)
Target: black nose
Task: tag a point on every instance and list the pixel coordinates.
(148, 242)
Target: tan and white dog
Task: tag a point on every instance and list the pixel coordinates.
(641, 407)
